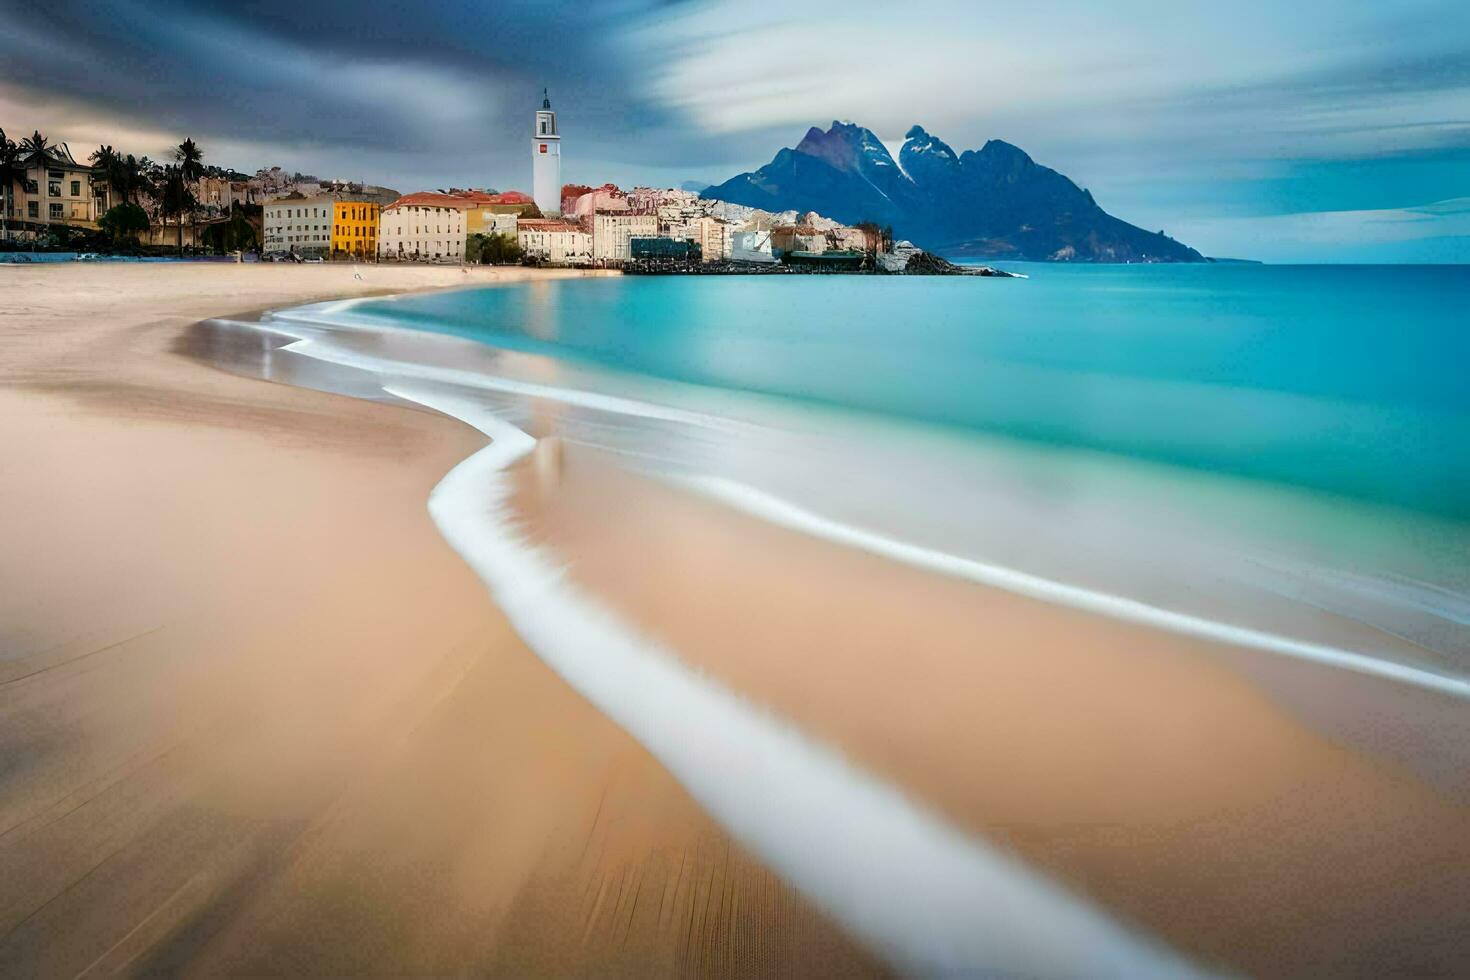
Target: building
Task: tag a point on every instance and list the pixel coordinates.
(424, 227)
(798, 238)
(664, 249)
(554, 242)
(605, 198)
(323, 225)
(546, 160)
(483, 221)
(53, 190)
(355, 228)
(492, 214)
(611, 234)
(220, 193)
(714, 239)
(751, 246)
(298, 224)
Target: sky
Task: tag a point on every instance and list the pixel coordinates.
(1317, 130)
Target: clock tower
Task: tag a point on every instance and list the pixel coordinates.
(546, 160)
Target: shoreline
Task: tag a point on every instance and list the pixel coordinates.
(260, 718)
(1182, 794)
(1241, 695)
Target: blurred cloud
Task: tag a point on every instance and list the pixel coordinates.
(1174, 115)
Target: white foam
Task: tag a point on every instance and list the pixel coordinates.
(785, 513)
(930, 898)
(384, 367)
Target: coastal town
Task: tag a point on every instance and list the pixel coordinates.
(54, 201)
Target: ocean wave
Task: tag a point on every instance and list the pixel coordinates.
(932, 899)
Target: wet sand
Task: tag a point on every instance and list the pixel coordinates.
(255, 716)
(1195, 791)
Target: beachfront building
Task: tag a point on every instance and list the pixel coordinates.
(298, 225)
(611, 234)
(355, 228)
(53, 190)
(321, 225)
(546, 160)
(424, 227)
(554, 241)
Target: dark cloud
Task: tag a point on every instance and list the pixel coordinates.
(416, 88)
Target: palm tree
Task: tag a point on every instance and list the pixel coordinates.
(35, 143)
(108, 167)
(176, 199)
(9, 170)
(190, 168)
(30, 147)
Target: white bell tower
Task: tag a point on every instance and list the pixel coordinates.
(546, 160)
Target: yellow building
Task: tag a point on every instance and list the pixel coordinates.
(355, 228)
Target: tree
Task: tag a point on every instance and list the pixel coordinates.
(190, 168)
(134, 175)
(10, 170)
(500, 248)
(474, 247)
(235, 234)
(177, 199)
(35, 143)
(109, 168)
(124, 221)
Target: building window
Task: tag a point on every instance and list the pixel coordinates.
(55, 212)
(33, 209)
(76, 188)
(53, 188)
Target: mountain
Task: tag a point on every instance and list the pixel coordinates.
(995, 201)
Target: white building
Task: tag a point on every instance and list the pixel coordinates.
(299, 224)
(424, 227)
(751, 246)
(554, 242)
(612, 232)
(546, 161)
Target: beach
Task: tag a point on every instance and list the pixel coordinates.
(298, 682)
(256, 716)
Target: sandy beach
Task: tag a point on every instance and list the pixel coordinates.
(256, 716)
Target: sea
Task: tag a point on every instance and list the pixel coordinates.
(1274, 458)
(1283, 449)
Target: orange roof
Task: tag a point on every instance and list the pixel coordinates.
(510, 197)
(429, 199)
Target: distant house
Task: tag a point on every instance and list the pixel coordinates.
(605, 198)
(798, 238)
(554, 241)
(611, 234)
(321, 225)
(667, 249)
(53, 189)
(751, 246)
(424, 227)
(492, 214)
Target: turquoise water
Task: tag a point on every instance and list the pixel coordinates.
(1278, 448)
(1347, 379)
